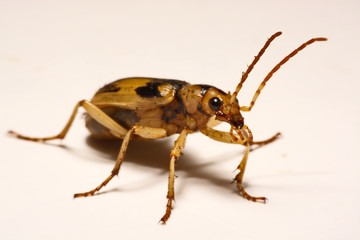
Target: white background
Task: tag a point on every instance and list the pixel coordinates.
(55, 53)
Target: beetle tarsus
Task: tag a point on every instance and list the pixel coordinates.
(167, 214)
(17, 135)
(267, 141)
(247, 196)
(92, 192)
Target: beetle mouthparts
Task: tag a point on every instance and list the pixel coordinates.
(238, 124)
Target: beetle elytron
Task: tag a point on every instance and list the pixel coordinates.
(149, 108)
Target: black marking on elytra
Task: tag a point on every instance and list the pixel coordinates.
(151, 90)
(177, 84)
(109, 88)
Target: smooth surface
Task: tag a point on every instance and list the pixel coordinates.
(53, 54)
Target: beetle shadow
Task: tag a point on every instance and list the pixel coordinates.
(156, 154)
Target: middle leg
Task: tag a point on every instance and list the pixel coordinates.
(116, 168)
(142, 131)
(175, 154)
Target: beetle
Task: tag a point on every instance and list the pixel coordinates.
(152, 108)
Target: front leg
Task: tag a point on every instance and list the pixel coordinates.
(175, 154)
(239, 177)
(226, 137)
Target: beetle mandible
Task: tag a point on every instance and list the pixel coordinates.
(150, 108)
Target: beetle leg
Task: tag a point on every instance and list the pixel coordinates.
(240, 175)
(94, 112)
(150, 132)
(267, 141)
(145, 132)
(175, 154)
(116, 168)
(226, 137)
(221, 136)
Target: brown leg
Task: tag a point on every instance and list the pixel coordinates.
(267, 141)
(221, 136)
(61, 135)
(239, 178)
(175, 154)
(116, 168)
(226, 137)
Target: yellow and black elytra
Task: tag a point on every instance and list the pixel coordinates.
(152, 108)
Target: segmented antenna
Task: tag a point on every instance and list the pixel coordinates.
(277, 67)
(256, 59)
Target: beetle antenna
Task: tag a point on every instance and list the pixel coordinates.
(277, 67)
(251, 66)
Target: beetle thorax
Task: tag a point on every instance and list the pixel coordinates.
(192, 99)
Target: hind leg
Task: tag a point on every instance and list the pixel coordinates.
(93, 111)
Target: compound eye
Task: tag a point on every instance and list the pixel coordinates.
(215, 103)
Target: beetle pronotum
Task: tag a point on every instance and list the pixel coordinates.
(149, 108)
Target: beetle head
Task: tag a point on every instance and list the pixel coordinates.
(217, 102)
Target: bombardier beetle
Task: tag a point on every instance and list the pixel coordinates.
(152, 108)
